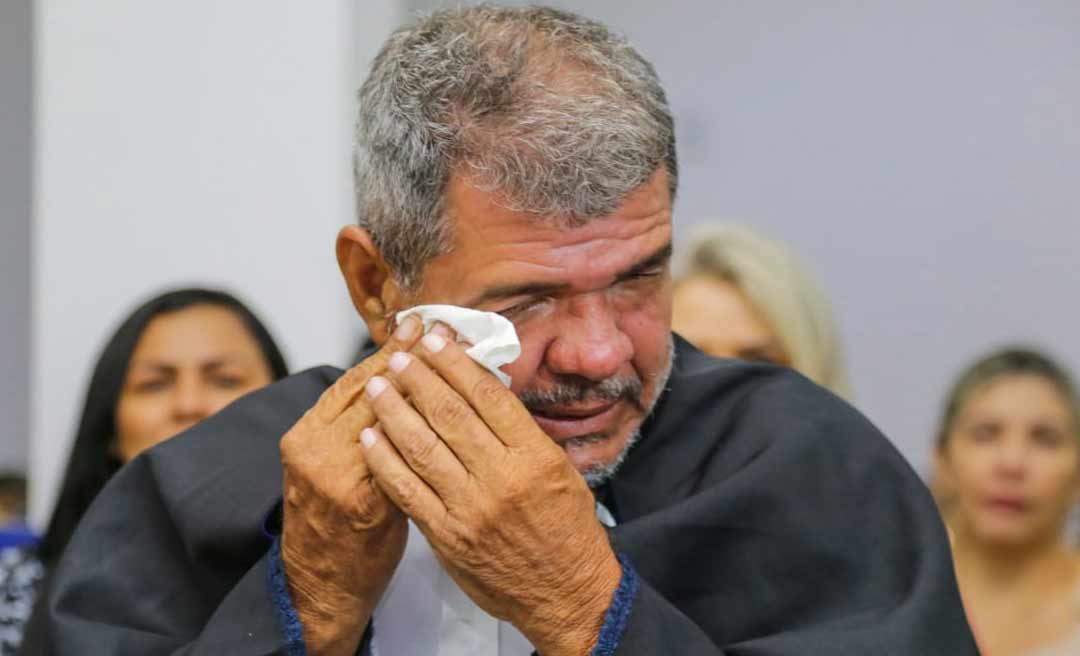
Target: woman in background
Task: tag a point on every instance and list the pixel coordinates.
(1007, 473)
(743, 296)
(177, 359)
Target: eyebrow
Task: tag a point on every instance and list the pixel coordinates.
(657, 258)
(165, 367)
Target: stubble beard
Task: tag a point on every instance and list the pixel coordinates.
(600, 473)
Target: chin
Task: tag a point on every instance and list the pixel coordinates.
(597, 458)
(596, 451)
(1009, 535)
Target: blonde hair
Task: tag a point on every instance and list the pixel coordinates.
(782, 290)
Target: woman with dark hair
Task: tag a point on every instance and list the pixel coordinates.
(1007, 473)
(175, 360)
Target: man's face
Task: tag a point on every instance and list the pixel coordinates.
(591, 305)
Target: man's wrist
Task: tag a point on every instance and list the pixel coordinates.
(332, 621)
(617, 617)
(331, 632)
(574, 625)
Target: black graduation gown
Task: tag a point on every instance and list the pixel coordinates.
(763, 515)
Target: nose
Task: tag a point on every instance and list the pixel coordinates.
(1011, 457)
(589, 342)
(191, 401)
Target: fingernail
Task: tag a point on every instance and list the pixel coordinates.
(433, 343)
(399, 361)
(441, 329)
(407, 329)
(367, 437)
(375, 386)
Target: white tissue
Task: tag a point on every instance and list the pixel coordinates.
(493, 338)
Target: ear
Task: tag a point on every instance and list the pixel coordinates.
(941, 483)
(371, 286)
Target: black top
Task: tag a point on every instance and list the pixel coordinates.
(764, 516)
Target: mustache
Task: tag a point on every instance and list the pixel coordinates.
(576, 389)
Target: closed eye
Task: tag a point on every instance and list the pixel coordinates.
(649, 273)
(153, 385)
(984, 432)
(1047, 436)
(520, 308)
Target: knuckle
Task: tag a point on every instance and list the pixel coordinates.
(368, 509)
(463, 541)
(293, 497)
(407, 493)
(515, 493)
(454, 357)
(421, 446)
(289, 447)
(331, 398)
(489, 391)
(353, 378)
(551, 462)
(369, 367)
(449, 412)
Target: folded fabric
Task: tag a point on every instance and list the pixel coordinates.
(493, 338)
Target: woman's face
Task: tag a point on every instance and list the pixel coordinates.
(187, 365)
(715, 316)
(1011, 463)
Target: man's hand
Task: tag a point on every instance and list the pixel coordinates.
(511, 520)
(342, 538)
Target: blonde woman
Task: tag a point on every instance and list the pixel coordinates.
(742, 295)
(1007, 469)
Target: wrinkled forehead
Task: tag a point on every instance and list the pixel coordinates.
(494, 245)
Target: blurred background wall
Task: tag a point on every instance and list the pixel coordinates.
(922, 157)
(197, 142)
(16, 148)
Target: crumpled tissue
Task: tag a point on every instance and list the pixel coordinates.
(493, 338)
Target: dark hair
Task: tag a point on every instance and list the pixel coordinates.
(92, 461)
(1010, 361)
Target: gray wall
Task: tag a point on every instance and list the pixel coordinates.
(923, 157)
(16, 62)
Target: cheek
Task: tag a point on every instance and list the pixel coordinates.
(969, 471)
(649, 329)
(1058, 480)
(523, 370)
(134, 416)
(139, 421)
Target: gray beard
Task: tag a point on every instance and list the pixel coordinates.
(601, 473)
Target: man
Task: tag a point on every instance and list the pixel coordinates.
(522, 162)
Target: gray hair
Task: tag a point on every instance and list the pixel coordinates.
(554, 113)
